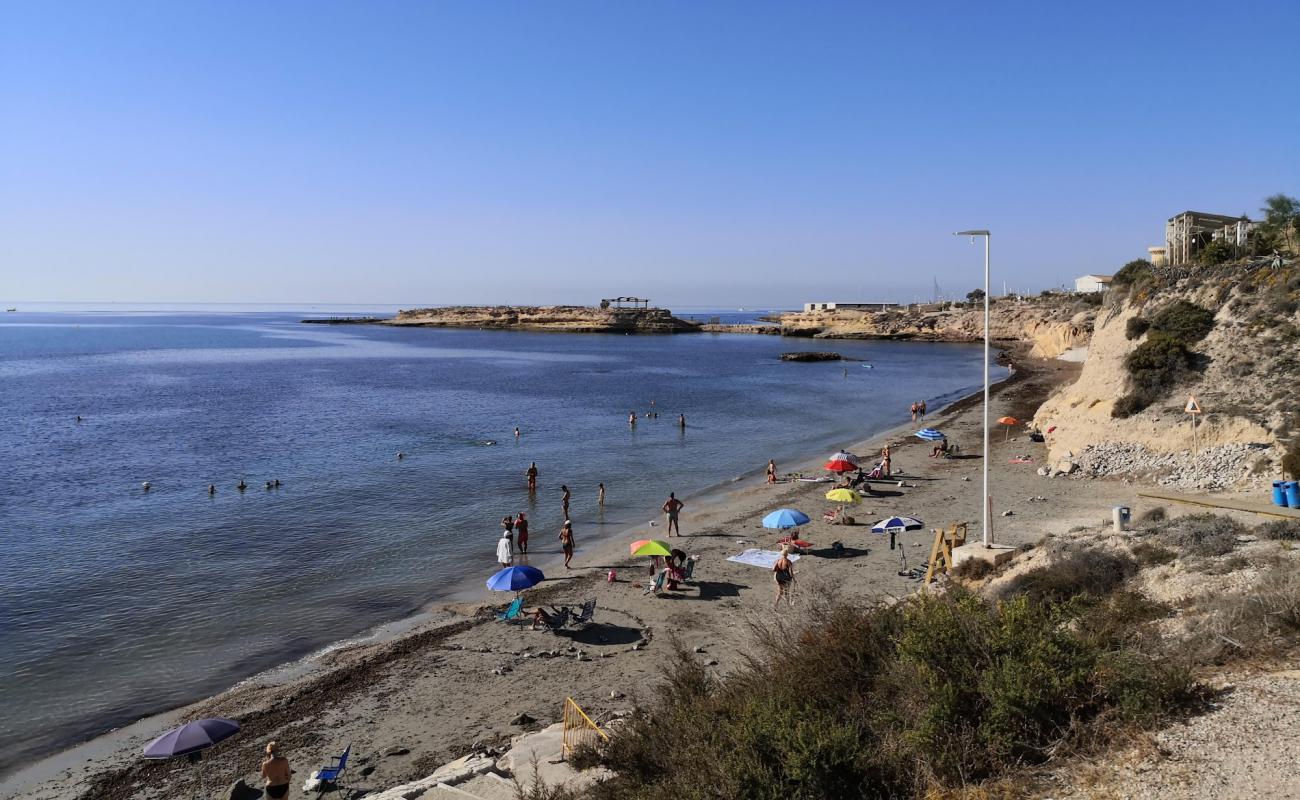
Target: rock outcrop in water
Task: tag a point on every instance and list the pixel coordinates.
(811, 356)
(569, 319)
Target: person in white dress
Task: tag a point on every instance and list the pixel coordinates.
(505, 550)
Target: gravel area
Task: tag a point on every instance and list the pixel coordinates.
(1219, 467)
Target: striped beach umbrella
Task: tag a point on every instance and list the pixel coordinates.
(896, 524)
(843, 461)
(930, 434)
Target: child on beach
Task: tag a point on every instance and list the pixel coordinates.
(567, 542)
(783, 575)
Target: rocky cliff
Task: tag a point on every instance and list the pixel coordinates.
(1243, 374)
(1050, 326)
(570, 319)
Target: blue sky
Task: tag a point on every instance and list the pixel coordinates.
(699, 153)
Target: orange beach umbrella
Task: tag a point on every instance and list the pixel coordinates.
(1008, 421)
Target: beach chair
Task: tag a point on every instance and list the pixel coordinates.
(558, 620)
(512, 612)
(657, 585)
(690, 568)
(586, 613)
(332, 776)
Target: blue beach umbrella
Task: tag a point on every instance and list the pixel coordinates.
(785, 518)
(896, 524)
(930, 434)
(512, 579)
(191, 738)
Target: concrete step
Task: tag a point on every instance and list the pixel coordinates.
(442, 791)
(489, 786)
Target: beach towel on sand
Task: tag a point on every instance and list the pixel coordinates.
(760, 558)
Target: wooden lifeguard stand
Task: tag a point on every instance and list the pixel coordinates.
(941, 550)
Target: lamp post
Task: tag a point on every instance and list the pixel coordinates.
(988, 501)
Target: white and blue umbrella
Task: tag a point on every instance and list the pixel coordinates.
(897, 524)
(785, 518)
(930, 434)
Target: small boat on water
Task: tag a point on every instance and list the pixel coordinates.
(7, 310)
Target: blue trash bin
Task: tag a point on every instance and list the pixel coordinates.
(1293, 494)
(1279, 493)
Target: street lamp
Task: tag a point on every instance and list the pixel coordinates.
(988, 501)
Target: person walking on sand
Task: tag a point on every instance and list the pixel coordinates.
(521, 533)
(914, 410)
(600, 495)
(771, 471)
(672, 507)
(276, 772)
(567, 542)
(921, 409)
(532, 477)
(783, 575)
(564, 499)
(884, 461)
(505, 551)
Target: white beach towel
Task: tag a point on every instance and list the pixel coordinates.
(760, 558)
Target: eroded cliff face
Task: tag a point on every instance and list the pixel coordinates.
(1244, 378)
(1050, 326)
(573, 319)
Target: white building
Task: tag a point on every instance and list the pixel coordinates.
(849, 306)
(1086, 284)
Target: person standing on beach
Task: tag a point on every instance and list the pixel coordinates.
(914, 410)
(532, 477)
(276, 772)
(567, 542)
(771, 471)
(564, 499)
(783, 574)
(521, 533)
(508, 524)
(921, 408)
(505, 551)
(672, 507)
(600, 495)
(884, 461)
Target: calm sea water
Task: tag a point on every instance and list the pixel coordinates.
(117, 603)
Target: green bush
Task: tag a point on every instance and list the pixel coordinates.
(1135, 327)
(934, 692)
(1133, 272)
(1153, 367)
(1184, 322)
(1215, 252)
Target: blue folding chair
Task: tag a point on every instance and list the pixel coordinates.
(512, 611)
(333, 774)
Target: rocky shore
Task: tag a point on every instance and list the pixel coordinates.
(566, 319)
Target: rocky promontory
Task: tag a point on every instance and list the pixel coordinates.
(567, 319)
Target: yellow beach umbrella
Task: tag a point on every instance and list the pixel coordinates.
(845, 496)
(651, 547)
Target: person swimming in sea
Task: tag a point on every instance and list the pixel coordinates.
(212, 488)
(516, 431)
(241, 486)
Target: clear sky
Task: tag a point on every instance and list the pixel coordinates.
(699, 153)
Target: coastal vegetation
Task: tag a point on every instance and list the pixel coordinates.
(1164, 358)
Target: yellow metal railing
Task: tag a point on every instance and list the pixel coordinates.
(578, 728)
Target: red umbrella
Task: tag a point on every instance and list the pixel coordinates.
(842, 462)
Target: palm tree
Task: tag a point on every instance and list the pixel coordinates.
(1282, 218)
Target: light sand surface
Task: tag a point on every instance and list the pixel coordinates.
(458, 678)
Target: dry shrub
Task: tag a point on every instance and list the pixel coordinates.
(1201, 534)
(974, 569)
(1153, 516)
(1149, 554)
(1285, 530)
(1263, 621)
(1073, 570)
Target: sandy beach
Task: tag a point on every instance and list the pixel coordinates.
(456, 678)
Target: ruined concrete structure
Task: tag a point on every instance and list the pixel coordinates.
(1187, 233)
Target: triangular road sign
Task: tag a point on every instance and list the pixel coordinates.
(1193, 407)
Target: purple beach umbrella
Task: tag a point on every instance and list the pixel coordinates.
(191, 738)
